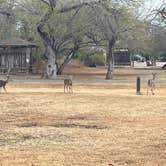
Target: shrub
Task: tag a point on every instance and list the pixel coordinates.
(98, 59)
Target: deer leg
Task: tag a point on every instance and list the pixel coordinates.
(68, 89)
(65, 88)
(71, 89)
(152, 91)
(4, 89)
(154, 87)
(147, 90)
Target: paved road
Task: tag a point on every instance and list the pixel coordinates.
(82, 81)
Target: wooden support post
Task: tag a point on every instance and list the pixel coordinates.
(138, 86)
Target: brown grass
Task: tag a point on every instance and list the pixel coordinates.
(98, 125)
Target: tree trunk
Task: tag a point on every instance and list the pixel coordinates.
(110, 59)
(51, 70)
(132, 59)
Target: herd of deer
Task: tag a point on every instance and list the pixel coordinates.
(68, 84)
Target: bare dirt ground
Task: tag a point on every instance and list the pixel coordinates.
(98, 125)
(81, 72)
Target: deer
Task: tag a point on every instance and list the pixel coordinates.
(68, 85)
(151, 84)
(4, 82)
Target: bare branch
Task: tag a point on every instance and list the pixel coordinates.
(46, 2)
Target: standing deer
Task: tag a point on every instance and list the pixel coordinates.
(151, 84)
(68, 85)
(3, 83)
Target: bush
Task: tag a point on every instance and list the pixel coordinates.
(78, 55)
(88, 60)
(98, 59)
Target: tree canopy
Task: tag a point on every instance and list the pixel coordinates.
(63, 28)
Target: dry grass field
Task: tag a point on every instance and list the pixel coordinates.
(98, 125)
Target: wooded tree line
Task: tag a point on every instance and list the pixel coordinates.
(64, 28)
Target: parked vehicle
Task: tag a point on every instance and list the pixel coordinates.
(164, 67)
(163, 58)
(139, 58)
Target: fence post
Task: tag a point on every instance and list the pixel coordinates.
(138, 86)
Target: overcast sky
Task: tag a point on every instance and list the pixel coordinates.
(149, 6)
(152, 4)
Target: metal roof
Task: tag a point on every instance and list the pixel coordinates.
(16, 42)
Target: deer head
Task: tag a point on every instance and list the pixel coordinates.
(154, 75)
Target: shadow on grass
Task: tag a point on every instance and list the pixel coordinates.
(62, 125)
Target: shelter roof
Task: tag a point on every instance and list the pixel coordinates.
(16, 42)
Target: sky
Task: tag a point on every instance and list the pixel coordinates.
(152, 4)
(149, 6)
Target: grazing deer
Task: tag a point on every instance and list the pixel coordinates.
(68, 85)
(3, 83)
(151, 84)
